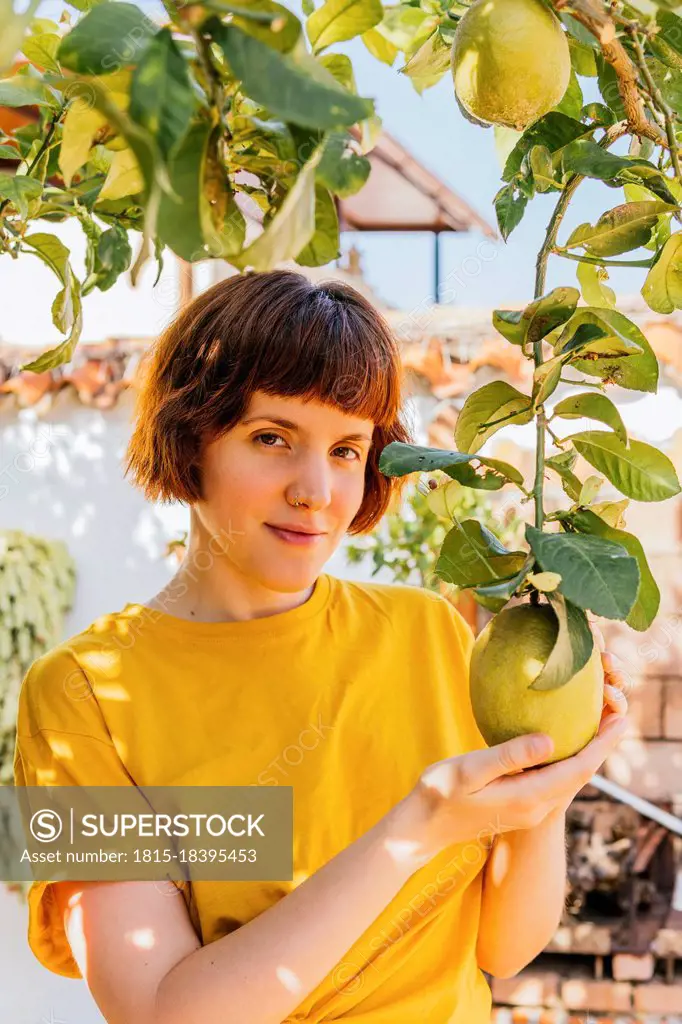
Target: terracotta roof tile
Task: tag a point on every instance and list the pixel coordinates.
(97, 374)
(100, 372)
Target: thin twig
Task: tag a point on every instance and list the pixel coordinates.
(660, 101)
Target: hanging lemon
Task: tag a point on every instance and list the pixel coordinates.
(510, 61)
(508, 655)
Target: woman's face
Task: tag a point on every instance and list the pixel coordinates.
(253, 473)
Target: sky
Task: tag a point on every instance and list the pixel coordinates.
(399, 267)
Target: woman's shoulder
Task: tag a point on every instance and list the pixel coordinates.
(396, 600)
(57, 685)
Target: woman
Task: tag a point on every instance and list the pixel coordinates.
(264, 408)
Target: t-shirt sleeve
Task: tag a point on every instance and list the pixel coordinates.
(62, 740)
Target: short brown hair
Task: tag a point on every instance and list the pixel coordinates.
(274, 332)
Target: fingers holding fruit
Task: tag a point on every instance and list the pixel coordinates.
(615, 681)
(615, 686)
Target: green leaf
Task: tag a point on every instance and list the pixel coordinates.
(41, 50)
(497, 595)
(563, 466)
(667, 43)
(67, 314)
(399, 459)
(497, 401)
(555, 130)
(645, 608)
(595, 293)
(429, 63)
(338, 20)
(293, 86)
(406, 27)
(639, 471)
(593, 406)
(95, 44)
(662, 289)
(22, 91)
(589, 159)
(184, 221)
(84, 5)
(546, 379)
(572, 647)
(582, 59)
(572, 102)
(323, 247)
(270, 22)
(161, 96)
(620, 230)
(380, 47)
(145, 151)
(472, 556)
(596, 574)
(340, 66)
(112, 256)
(542, 167)
(578, 32)
(597, 112)
(490, 475)
(20, 190)
(510, 205)
(290, 229)
(586, 157)
(669, 82)
(638, 372)
(529, 325)
(341, 169)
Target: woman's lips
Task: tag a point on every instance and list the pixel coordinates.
(302, 539)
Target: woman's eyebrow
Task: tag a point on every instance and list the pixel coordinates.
(290, 425)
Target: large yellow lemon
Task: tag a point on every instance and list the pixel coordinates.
(508, 655)
(510, 61)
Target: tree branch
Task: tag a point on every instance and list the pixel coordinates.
(658, 99)
(602, 26)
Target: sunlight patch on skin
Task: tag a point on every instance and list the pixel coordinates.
(498, 867)
(74, 929)
(142, 938)
(290, 980)
(440, 779)
(403, 850)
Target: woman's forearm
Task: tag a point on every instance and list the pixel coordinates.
(524, 888)
(262, 971)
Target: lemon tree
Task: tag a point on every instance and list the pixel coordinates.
(577, 559)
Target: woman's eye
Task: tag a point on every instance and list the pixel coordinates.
(259, 437)
(342, 448)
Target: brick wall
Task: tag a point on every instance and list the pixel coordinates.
(539, 996)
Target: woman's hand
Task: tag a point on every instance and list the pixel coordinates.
(509, 786)
(615, 683)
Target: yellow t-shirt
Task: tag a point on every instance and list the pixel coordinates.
(374, 676)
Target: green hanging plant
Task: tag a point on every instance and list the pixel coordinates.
(37, 585)
(37, 582)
